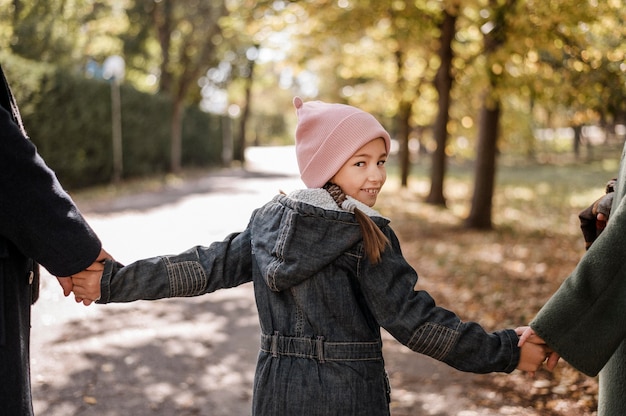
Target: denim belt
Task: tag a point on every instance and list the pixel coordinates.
(317, 348)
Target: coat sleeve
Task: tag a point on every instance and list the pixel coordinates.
(36, 214)
(197, 271)
(412, 317)
(584, 321)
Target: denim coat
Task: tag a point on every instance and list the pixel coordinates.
(321, 305)
(584, 320)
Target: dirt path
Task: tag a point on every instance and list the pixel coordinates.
(196, 356)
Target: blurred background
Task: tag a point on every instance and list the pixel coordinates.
(116, 89)
(507, 118)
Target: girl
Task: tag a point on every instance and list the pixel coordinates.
(328, 273)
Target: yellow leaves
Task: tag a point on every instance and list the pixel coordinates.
(615, 55)
(467, 122)
(90, 400)
(481, 275)
(496, 68)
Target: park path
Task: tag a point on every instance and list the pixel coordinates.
(193, 356)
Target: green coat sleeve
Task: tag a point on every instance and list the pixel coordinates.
(584, 321)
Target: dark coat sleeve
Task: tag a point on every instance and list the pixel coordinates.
(584, 320)
(36, 214)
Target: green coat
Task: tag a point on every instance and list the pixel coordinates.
(585, 320)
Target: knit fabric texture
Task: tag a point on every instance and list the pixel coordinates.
(327, 135)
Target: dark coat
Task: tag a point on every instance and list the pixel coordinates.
(584, 321)
(39, 223)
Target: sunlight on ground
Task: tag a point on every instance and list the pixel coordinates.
(184, 356)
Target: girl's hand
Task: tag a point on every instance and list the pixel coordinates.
(527, 334)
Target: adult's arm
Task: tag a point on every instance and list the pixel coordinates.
(36, 214)
(584, 320)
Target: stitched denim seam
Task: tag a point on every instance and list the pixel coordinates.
(315, 357)
(279, 248)
(433, 340)
(186, 278)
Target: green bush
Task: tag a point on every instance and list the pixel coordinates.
(202, 139)
(68, 117)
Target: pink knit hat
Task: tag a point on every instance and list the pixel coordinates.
(327, 135)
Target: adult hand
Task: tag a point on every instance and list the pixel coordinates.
(86, 284)
(593, 219)
(87, 279)
(527, 334)
(66, 282)
(66, 285)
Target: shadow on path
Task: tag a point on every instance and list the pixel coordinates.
(196, 356)
(190, 356)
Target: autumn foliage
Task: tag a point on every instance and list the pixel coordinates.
(501, 278)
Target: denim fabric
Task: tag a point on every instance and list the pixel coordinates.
(321, 305)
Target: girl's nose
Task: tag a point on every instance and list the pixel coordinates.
(377, 174)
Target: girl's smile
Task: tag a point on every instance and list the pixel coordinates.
(364, 174)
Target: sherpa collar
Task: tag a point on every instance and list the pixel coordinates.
(322, 199)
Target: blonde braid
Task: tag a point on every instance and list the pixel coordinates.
(374, 240)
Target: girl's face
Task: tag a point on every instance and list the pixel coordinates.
(364, 174)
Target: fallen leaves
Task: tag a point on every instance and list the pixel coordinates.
(501, 278)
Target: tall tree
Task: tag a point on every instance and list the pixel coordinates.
(524, 45)
(187, 34)
(246, 30)
(379, 57)
(63, 32)
(495, 32)
(247, 74)
(443, 85)
(406, 87)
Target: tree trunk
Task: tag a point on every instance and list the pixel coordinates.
(245, 114)
(162, 20)
(17, 12)
(443, 85)
(485, 169)
(488, 129)
(176, 148)
(402, 119)
(577, 139)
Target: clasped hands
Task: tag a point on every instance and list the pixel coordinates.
(534, 351)
(86, 287)
(86, 284)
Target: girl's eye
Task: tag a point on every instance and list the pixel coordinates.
(359, 164)
(381, 162)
